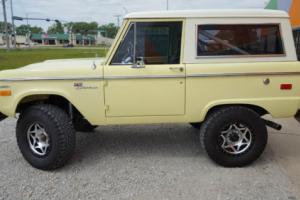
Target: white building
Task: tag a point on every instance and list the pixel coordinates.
(100, 40)
(20, 39)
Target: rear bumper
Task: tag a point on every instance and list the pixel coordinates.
(2, 117)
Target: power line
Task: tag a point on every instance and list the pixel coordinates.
(167, 4)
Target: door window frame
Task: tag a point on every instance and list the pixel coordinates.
(126, 27)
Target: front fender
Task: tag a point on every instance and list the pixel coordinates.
(20, 97)
(88, 100)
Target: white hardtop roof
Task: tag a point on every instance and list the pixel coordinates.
(208, 13)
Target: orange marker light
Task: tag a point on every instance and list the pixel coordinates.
(5, 93)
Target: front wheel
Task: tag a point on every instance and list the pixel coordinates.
(234, 136)
(45, 136)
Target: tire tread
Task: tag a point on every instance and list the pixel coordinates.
(209, 121)
(66, 133)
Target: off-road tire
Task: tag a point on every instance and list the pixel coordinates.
(212, 127)
(61, 132)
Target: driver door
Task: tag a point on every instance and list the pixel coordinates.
(145, 77)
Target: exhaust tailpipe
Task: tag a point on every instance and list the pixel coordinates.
(273, 125)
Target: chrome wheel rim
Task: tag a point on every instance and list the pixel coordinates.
(236, 138)
(38, 139)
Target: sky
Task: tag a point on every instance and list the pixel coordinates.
(104, 11)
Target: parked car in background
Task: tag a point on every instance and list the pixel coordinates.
(68, 45)
(219, 70)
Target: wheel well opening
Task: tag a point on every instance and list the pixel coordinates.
(56, 100)
(259, 110)
(59, 101)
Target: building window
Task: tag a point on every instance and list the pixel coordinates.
(231, 40)
(154, 42)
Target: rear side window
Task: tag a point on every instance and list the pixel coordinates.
(227, 40)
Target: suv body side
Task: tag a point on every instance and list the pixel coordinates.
(225, 80)
(158, 94)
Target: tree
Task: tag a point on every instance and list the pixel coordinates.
(84, 28)
(68, 26)
(24, 29)
(109, 30)
(2, 28)
(56, 28)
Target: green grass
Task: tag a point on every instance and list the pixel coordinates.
(17, 58)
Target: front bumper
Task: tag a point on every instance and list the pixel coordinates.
(2, 117)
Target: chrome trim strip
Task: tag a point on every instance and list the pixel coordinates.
(243, 74)
(92, 78)
(152, 76)
(143, 77)
(51, 79)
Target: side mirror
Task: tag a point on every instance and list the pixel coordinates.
(140, 63)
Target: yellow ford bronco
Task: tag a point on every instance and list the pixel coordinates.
(219, 70)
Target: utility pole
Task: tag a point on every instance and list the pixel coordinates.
(27, 34)
(14, 41)
(5, 25)
(167, 4)
(118, 19)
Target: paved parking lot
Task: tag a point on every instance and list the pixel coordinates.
(149, 162)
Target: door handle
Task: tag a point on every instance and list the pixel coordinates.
(135, 66)
(176, 68)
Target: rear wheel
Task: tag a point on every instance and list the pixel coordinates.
(45, 136)
(234, 136)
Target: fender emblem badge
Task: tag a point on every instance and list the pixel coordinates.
(78, 84)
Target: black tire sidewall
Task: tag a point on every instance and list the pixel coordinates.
(35, 115)
(244, 116)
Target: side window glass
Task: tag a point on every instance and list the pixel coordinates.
(158, 42)
(255, 39)
(125, 53)
(297, 41)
